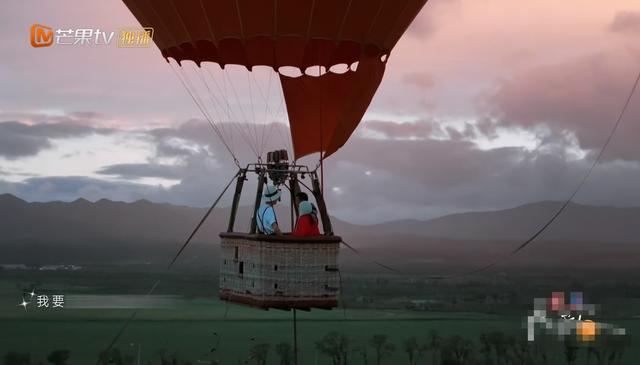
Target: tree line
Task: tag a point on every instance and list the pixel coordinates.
(491, 348)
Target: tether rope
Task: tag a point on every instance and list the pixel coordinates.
(550, 221)
(155, 284)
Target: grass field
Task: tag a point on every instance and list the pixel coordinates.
(197, 324)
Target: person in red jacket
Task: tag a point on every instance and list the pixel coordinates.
(306, 225)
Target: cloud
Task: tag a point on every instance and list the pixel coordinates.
(196, 136)
(626, 22)
(392, 176)
(418, 129)
(140, 170)
(425, 129)
(582, 97)
(69, 188)
(383, 179)
(20, 139)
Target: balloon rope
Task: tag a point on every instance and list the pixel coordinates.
(232, 117)
(216, 104)
(244, 115)
(204, 218)
(357, 252)
(586, 176)
(254, 122)
(205, 114)
(155, 284)
(556, 214)
(199, 102)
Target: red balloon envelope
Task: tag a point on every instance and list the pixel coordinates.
(323, 110)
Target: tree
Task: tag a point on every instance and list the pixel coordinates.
(17, 358)
(521, 351)
(434, 343)
(498, 341)
(259, 353)
(336, 346)
(411, 347)
(284, 350)
(362, 351)
(609, 349)
(457, 350)
(619, 343)
(591, 350)
(58, 357)
(486, 348)
(112, 357)
(570, 350)
(382, 347)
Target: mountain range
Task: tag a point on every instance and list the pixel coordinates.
(108, 232)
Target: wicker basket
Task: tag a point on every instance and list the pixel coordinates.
(281, 272)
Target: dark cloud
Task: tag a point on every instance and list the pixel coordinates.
(69, 188)
(583, 97)
(369, 179)
(379, 179)
(626, 22)
(203, 139)
(20, 139)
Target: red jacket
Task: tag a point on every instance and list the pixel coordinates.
(306, 226)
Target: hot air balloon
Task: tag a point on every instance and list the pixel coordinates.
(330, 57)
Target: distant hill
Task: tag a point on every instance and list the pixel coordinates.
(577, 223)
(116, 232)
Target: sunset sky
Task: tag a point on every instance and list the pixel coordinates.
(485, 104)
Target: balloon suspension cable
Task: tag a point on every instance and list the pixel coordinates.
(553, 218)
(177, 255)
(225, 106)
(204, 112)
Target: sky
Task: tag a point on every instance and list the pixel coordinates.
(484, 105)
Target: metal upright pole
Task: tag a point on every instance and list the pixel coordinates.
(256, 205)
(322, 172)
(324, 216)
(295, 338)
(293, 202)
(295, 189)
(236, 199)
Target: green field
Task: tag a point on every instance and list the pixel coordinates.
(199, 323)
